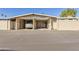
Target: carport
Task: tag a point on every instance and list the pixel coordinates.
(33, 21)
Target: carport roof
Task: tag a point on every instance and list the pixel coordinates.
(32, 14)
(38, 15)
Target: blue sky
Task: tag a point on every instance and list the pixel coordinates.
(10, 12)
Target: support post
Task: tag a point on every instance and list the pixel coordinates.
(50, 24)
(33, 23)
(17, 24)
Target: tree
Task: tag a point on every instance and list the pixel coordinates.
(69, 12)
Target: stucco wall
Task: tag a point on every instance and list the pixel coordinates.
(9, 25)
(48, 24)
(55, 25)
(12, 25)
(4, 25)
(66, 25)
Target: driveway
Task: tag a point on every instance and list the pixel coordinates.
(39, 40)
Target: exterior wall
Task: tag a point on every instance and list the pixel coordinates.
(49, 24)
(66, 25)
(21, 24)
(4, 24)
(12, 25)
(17, 23)
(8, 25)
(54, 24)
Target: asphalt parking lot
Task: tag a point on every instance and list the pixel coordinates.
(23, 40)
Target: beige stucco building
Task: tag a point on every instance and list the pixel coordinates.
(39, 21)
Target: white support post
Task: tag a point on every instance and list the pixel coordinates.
(33, 23)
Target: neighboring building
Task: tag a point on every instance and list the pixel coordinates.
(39, 21)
